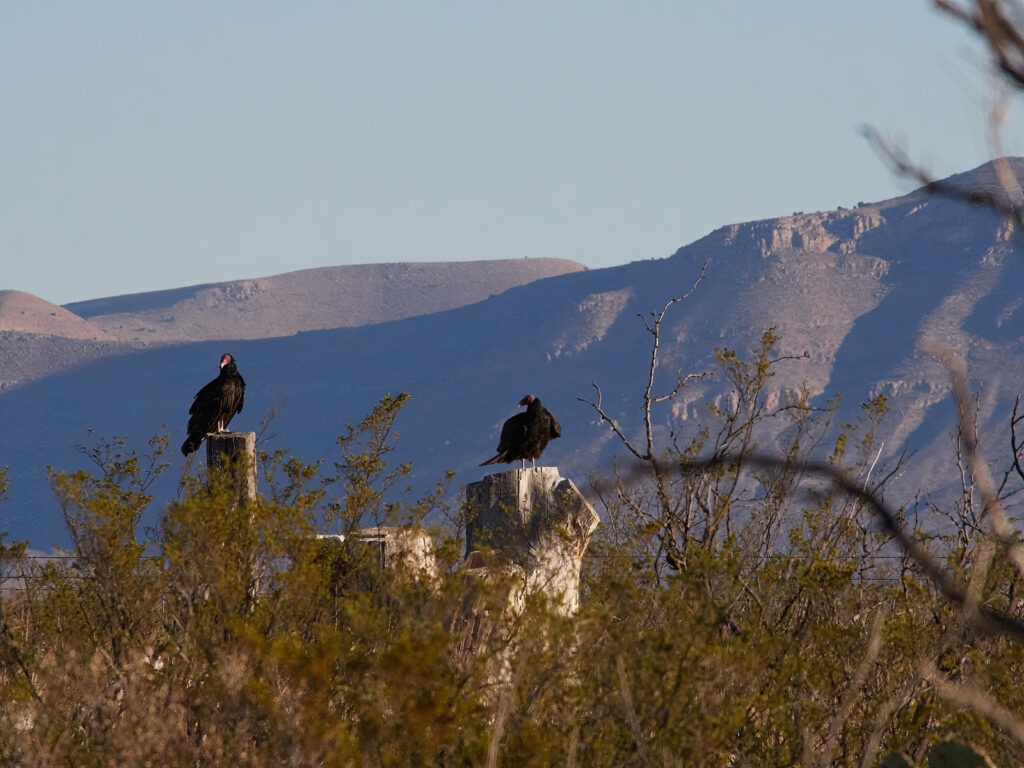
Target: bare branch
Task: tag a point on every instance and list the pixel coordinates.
(1002, 34)
(983, 617)
(611, 422)
(859, 677)
(955, 11)
(867, 477)
(631, 715)
(681, 383)
(655, 331)
(653, 326)
(1004, 173)
(902, 165)
(1015, 446)
(805, 355)
(900, 700)
(970, 697)
(992, 504)
(12, 649)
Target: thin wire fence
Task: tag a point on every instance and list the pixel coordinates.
(12, 583)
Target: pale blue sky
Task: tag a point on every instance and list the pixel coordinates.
(147, 146)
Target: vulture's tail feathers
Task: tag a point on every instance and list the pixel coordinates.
(191, 443)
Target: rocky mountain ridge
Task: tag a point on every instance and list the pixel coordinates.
(852, 293)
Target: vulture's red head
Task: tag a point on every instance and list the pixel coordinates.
(527, 400)
(225, 359)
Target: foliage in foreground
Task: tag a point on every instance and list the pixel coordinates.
(780, 631)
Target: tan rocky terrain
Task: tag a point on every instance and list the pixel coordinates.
(311, 299)
(38, 339)
(22, 312)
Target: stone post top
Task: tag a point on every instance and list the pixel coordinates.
(534, 520)
(225, 448)
(535, 473)
(509, 509)
(530, 470)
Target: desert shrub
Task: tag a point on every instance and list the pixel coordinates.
(231, 634)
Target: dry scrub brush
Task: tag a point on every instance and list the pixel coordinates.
(762, 616)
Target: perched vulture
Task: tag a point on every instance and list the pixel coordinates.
(525, 435)
(215, 404)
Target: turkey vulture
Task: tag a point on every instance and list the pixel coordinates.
(525, 435)
(215, 404)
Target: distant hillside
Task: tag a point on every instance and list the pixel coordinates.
(24, 313)
(855, 289)
(310, 299)
(38, 339)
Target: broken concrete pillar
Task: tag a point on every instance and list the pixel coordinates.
(409, 547)
(537, 520)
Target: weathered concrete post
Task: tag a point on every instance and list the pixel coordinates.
(538, 520)
(237, 450)
(224, 449)
(392, 546)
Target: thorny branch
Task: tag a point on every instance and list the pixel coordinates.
(906, 693)
(989, 18)
(852, 690)
(1001, 201)
(1015, 447)
(654, 328)
(992, 506)
(612, 423)
(982, 617)
(970, 697)
(12, 648)
(652, 323)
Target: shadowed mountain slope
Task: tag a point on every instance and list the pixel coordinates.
(855, 289)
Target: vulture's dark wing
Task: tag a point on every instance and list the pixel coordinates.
(232, 394)
(556, 428)
(202, 415)
(513, 432)
(512, 442)
(206, 398)
(241, 397)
